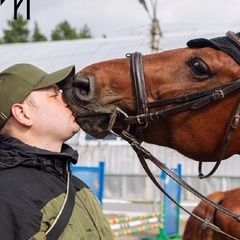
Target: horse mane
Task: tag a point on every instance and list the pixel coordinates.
(203, 210)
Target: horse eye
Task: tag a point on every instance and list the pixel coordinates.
(198, 66)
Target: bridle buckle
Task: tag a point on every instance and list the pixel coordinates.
(221, 93)
(138, 119)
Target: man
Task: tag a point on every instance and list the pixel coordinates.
(35, 121)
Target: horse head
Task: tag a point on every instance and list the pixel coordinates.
(173, 80)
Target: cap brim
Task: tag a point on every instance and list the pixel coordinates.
(57, 77)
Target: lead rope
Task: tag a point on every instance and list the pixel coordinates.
(143, 154)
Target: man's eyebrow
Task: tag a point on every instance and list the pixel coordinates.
(53, 87)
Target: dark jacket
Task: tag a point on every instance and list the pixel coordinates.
(32, 191)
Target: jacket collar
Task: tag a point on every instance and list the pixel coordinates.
(14, 152)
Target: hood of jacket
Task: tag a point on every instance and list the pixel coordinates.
(14, 152)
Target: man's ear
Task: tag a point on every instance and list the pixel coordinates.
(21, 114)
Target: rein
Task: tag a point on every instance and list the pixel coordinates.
(143, 154)
(186, 102)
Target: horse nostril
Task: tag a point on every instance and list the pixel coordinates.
(82, 84)
(79, 89)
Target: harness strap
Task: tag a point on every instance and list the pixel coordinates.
(233, 127)
(188, 97)
(218, 93)
(143, 154)
(140, 93)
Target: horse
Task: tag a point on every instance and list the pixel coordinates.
(194, 229)
(185, 99)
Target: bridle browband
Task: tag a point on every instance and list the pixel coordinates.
(191, 101)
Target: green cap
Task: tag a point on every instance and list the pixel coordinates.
(19, 80)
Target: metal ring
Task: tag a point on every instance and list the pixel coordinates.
(139, 120)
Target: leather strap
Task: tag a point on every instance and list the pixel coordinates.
(61, 221)
(140, 91)
(233, 127)
(144, 154)
(188, 102)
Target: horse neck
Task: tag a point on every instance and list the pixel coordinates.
(193, 231)
(203, 210)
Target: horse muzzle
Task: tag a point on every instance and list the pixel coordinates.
(82, 97)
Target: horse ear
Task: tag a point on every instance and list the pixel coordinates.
(21, 114)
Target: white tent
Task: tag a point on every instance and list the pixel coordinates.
(52, 55)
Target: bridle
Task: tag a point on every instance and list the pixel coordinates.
(140, 121)
(191, 101)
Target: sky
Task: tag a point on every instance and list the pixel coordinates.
(127, 17)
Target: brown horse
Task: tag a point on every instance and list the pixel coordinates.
(197, 132)
(229, 199)
(186, 99)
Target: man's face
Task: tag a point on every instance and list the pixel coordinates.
(51, 115)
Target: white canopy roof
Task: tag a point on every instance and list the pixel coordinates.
(52, 55)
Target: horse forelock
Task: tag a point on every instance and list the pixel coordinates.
(230, 44)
